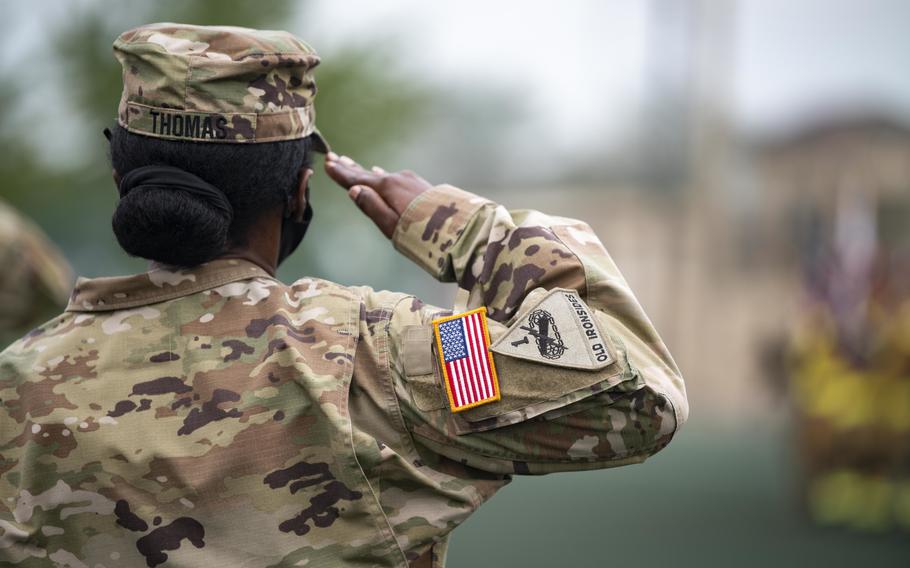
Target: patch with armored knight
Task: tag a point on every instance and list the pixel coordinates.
(559, 330)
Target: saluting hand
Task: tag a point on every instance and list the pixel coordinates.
(382, 196)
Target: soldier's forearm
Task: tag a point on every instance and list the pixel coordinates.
(496, 255)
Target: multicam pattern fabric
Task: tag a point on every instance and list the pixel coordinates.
(217, 417)
(35, 279)
(216, 83)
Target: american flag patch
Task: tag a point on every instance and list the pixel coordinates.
(467, 364)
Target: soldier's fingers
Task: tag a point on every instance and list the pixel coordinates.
(378, 170)
(349, 174)
(375, 208)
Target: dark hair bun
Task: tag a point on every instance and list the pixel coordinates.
(161, 207)
(168, 224)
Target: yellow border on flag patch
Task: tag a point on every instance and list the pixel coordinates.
(442, 359)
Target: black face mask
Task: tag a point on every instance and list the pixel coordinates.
(292, 231)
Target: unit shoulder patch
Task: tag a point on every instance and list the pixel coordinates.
(559, 330)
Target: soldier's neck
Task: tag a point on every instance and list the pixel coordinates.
(261, 250)
(262, 243)
(261, 246)
(247, 255)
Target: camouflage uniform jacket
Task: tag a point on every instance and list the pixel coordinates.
(217, 417)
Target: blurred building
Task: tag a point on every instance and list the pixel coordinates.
(847, 166)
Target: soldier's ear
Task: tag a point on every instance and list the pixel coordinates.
(298, 201)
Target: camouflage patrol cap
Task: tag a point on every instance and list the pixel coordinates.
(217, 84)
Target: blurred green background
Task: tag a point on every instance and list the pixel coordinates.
(720, 150)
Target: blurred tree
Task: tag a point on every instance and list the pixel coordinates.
(365, 107)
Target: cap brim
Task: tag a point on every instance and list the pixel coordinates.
(319, 142)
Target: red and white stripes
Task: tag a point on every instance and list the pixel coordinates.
(471, 378)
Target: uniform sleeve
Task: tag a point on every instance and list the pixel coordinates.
(603, 389)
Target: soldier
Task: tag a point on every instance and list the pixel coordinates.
(207, 414)
(35, 281)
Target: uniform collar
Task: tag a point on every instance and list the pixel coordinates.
(158, 285)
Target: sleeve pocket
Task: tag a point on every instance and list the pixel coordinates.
(421, 368)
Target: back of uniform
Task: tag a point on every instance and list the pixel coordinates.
(200, 415)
